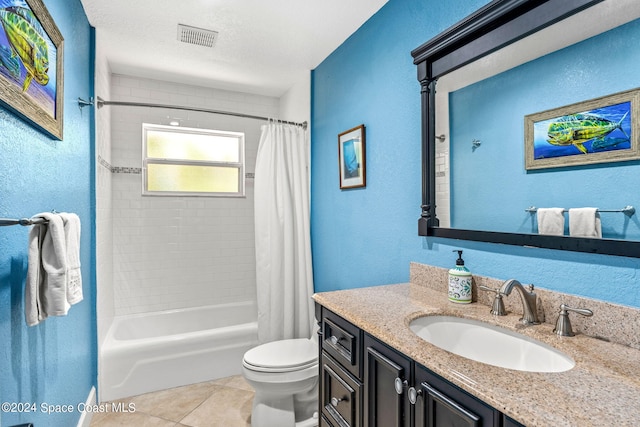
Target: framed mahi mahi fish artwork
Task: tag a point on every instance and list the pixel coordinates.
(600, 130)
(31, 64)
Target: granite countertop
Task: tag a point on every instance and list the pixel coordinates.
(603, 389)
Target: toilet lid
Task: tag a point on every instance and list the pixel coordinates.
(284, 355)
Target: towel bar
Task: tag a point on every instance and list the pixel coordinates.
(627, 210)
(21, 221)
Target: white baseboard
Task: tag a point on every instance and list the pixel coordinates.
(85, 418)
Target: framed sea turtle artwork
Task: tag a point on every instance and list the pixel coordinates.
(600, 130)
(351, 158)
(31, 64)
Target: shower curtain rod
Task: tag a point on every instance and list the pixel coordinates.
(101, 102)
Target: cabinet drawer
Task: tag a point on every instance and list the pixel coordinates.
(341, 394)
(342, 340)
(324, 422)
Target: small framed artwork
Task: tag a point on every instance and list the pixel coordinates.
(351, 158)
(600, 130)
(31, 64)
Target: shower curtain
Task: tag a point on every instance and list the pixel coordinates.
(283, 249)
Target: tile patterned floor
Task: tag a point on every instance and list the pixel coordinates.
(221, 403)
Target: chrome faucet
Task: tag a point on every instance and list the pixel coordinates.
(528, 296)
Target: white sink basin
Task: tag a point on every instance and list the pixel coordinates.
(490, 344)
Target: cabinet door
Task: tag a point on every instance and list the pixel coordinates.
(383, 405)
(510, 422)
(441, 404)
(441, 410)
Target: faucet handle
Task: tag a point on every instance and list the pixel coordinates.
(497, 308)
(563, 325)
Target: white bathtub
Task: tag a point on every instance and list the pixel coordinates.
(148, 352)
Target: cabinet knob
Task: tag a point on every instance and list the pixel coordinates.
(334, 340)
(413, 394)
(335, 401)
(400, 385)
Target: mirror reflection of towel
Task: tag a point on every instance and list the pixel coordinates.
(551, 221)
(585, 222)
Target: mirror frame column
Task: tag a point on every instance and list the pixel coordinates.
(428, 218)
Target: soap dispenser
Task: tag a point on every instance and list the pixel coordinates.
(460, 282)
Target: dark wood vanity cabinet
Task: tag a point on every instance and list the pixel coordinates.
(366, 383)
(401, 393)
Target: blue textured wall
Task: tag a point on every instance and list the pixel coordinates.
(365, 237)
(55, 362)
(576, 75)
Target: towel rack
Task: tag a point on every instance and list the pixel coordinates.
(22, 221)
(627, 210)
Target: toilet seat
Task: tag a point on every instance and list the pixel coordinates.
(282, 356)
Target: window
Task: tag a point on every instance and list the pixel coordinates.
(192, 162)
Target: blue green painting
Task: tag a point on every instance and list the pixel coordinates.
(351, 165)
(594, 131)
(28, 57)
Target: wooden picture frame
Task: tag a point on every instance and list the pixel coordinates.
(31, 64)
(600, 130)
(351, 158)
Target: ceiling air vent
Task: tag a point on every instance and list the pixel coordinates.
(198, 36)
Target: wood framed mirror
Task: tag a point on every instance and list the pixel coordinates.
(499, 24)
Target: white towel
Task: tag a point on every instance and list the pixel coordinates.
(551, 221)
(72, 240)
(32, 304)
(46, 285)
(585, 222)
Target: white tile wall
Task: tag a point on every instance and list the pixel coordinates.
(175, 252)
(442, 184)
(443, 175)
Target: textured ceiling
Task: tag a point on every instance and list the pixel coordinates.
(263, 47)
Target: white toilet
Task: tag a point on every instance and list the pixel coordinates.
(284, 375)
